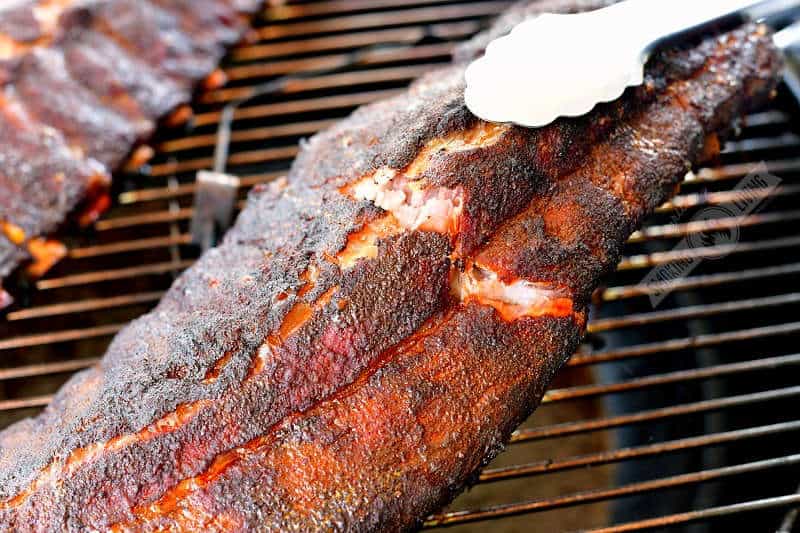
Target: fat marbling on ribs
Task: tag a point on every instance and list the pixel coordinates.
(81, 82)
(373, 328)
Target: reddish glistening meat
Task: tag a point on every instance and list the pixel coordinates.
(375, 326)
(81, 82)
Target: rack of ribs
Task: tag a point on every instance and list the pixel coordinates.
(84, 81)
(373, 328)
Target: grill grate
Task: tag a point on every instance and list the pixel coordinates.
(669, 416)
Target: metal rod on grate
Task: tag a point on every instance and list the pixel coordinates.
(705, 514)
(790, 520)
(582, 498)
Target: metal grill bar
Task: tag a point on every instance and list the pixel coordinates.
(687, 201)
(402, 51)
(752, 147)
(575, 428)
(407, 35)
(639, 452)
(146, 218)
(681, 376)
(254, 134)
(111, 275)
(325, 103)
(330, 81)
(733, 171)
(266, 155)
(29, 341)
(330, 8)
(163, 193)
(381, 20)
(582, 498)
(25, 403)
(772, 117)
(129, 246)
(671, 231)
(45, 369)
(674, 345)
(661, 258)
(698, 282)
(698, 311)
(695, 516)
(84, 306)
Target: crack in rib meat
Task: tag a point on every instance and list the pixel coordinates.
(371, 331)
(81, 83)
(363, 244)
(412, 205)
(512, 301)
(413, 202)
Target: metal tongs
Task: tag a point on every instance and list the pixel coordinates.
(564, 65)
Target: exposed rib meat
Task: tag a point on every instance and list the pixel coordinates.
(512, 300)
(91, 78)
(338, 364)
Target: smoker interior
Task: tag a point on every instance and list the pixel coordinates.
(681, 417)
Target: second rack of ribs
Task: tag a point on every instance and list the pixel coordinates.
(374, 327)
(81, 84)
